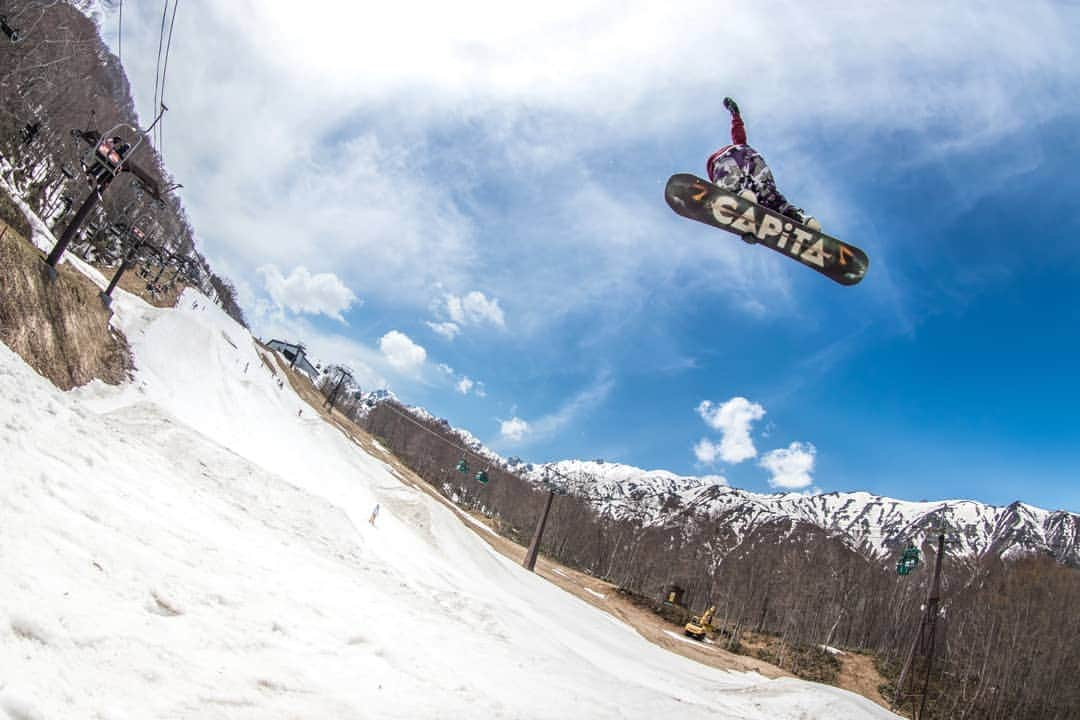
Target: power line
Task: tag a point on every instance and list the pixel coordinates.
(428, 430)
(157, 68)
(164, 72)
(570, 483)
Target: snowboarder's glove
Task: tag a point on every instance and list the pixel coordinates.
(731, 106)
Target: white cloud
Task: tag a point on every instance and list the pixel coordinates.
(707, 452)
(383, 170)
(463, 384)
(791, 466)
(514, 429)
(474, 308)
(448, 330)
(302, 292)
(733, 419)
(539, 90)
(401, 352)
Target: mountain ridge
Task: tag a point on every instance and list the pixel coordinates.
(875, 525)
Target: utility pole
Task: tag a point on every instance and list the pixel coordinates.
(534, 546)
(538, 534)
(923, 644)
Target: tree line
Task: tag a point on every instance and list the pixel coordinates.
(1009, 631)
(61, 77)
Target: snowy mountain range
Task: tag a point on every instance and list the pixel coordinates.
(872, 524)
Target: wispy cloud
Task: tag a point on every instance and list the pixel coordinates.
(387, 151)
(518, 431)
(457, 312)
(448, 330)
(475, 308)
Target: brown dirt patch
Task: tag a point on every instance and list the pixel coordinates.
(58, 326)
(133, 283)
(859, 675)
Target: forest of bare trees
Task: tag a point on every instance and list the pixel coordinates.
(1009, 630)
(58, 78)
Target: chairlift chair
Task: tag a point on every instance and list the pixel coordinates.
(463, 466)
(110, 151)
(908, 561)
(138, 233)
(108, 154)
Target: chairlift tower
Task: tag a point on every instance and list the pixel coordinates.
(924, 642)
(332, 398)
(138, 236)
(106, 159)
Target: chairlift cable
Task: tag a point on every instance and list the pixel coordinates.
(414, 421)
(164, 72)
(120, 36)
(157, 68)
(571, 484)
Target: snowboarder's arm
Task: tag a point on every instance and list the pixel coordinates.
(738, 130)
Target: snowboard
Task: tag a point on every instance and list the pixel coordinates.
(700, 200)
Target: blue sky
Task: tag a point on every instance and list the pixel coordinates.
(465, 205)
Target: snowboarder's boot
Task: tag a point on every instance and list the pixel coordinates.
(802, 218)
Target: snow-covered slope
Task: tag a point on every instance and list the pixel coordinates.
(196, 544)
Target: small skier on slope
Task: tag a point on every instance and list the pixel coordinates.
(739, 168)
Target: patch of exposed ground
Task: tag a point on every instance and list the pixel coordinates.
(59, 326)
(859, 675)
(134, 282)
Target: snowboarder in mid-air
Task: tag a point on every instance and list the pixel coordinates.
(741, 169)
(741, 198)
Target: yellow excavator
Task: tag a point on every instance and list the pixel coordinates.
(698, 627)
